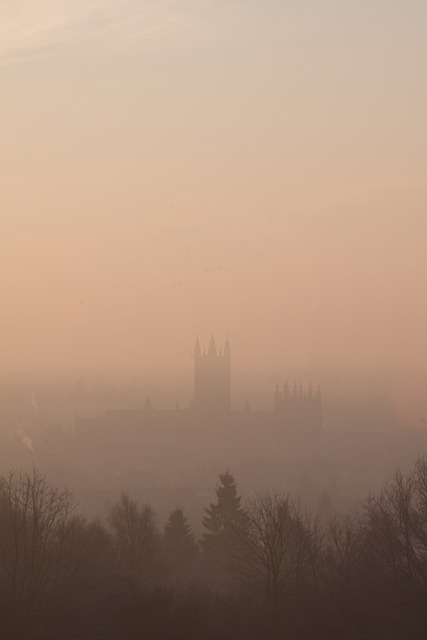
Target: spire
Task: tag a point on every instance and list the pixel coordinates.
(227, 349)
(212, 347)
(197, 349)
(277, 392)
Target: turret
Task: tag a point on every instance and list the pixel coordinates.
(227, 350)
(212, 347)
(212, 378)
(299, 408)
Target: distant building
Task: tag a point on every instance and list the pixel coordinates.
(212, 390)
(297, 411)
(298, 408)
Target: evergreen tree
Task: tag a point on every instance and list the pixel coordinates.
(178, 539)
(224, 518)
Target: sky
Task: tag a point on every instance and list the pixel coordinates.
(256, 169)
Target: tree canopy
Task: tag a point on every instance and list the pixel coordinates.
(223, 517)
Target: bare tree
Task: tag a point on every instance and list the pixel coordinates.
(395, 528)
(136, 538)
(278, 552)
(343, 549)
(38, 536)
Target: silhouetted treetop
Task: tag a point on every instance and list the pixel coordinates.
(178, 538)
(223, 517)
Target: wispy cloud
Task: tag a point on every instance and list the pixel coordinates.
(36, 27)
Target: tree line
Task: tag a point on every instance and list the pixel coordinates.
(265, 568)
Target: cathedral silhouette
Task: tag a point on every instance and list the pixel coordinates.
(294, 407)
(212, 378)
(294, 410)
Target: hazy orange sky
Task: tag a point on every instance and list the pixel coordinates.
(252, 167)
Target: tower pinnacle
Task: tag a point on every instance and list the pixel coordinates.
(227, 350)
(212, 347)
(212, 378)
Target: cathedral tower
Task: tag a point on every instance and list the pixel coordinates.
(212, 378)
(299, 408)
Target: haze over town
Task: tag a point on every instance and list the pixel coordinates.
(213, 277)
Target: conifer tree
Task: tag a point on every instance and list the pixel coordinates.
(178, 539)
(224, 518)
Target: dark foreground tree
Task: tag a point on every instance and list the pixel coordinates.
(180, 547)
(178, 539)
(223, 517)
(278, 554)
(44, 549)
(136, 539)
(38, 536)
(394, 530)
